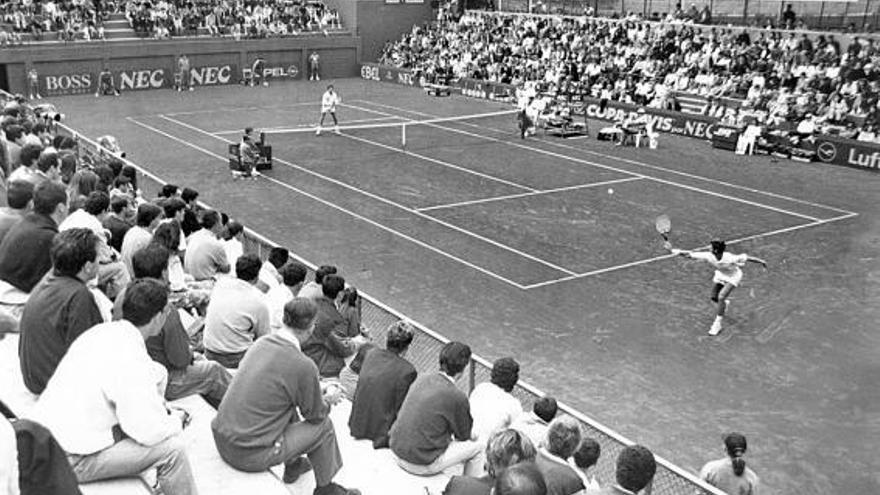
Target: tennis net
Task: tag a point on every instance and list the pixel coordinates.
(402, 133)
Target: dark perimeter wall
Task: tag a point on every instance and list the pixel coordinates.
(376, 21)
(73, 68)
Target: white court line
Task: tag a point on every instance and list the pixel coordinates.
(701, 248)
(301, 127)
(608, 167)
(240, 109)
(390, 202)
(528, 194)
(632, 162)
(441, 163)
(339, 208)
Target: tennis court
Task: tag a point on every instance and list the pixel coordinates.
(545, 249)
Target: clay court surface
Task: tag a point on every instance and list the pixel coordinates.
(520, 248)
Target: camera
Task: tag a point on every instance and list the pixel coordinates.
(48, 113)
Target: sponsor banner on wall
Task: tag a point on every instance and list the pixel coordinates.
(486, 89)
(840, 151)
(214, 75)
(695, 126)
(383, 73)
(277, 64)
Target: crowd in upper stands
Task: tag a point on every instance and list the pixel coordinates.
(248, 19)
(123, 303)
(773, 77)
(66, 20)
(70, 20)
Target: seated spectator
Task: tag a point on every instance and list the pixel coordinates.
(148, 218)
(103, 404)
(169, 191)
(27, 169)
(503, 449)
(521, 479)
(730, 473)
(563, 439)
(168, 235)
(190, 216)
(188, 372)
(349, 309)
(24, 252)
(384, 380)
(232, 237)
(329, 344)
(534, 424)
(269, 276)
(112, 274)
(237, 314)
(313, 289)
(257, 425)
(61, 307)
(433, 430)
(174, 209)
(635, 470)
(293, 274)
(48, 166)
(19, 201)
(205, 256)
(492, 405)
(117, 223)
(585, 457)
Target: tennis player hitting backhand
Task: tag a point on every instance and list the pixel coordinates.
(328, 105)
(728, 274)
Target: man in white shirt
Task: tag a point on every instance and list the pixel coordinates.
(148, 218)
(534, 424)
(292, 276)
(328, 105)
(313, 289)
(205, 253)
(104, 404)
(237, 314)
(269, 276)
(492, 405)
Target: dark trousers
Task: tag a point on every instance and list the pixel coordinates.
(227, 360)
(316, 440)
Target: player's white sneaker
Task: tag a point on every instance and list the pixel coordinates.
(716, 328)
(318, 132)
(336, 129)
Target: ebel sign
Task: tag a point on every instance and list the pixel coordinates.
(374, 72)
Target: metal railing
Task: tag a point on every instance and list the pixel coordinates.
(425, 349)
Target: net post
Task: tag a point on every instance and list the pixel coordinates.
(403, 135)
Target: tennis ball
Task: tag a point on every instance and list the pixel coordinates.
(610, 191)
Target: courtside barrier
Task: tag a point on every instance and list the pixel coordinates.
(424, 351)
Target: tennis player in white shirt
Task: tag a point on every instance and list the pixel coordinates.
(728, 274)
(328, 105)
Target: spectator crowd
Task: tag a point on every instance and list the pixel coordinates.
(239, 18)
(770, 77)
(66, 20)
(124, 303)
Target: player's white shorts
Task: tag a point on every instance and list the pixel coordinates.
(328, 109)
(733, 279)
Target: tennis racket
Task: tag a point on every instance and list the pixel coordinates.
(664, 227)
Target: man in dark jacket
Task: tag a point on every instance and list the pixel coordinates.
(328, 346)
(189, 373)
(60, 308)
(432, 432)
(24, 252)
(385, 378)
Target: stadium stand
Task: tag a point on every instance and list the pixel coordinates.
(66, 21)
(781, 79)
(209, 472)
